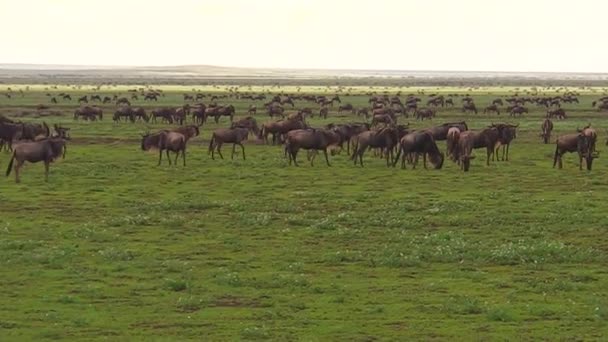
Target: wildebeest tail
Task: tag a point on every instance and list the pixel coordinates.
(10, 165)
(556, 152)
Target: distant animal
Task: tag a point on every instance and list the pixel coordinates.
(234, 136)
(546, 129)
(491, 108)
(419, 142)
(165, 141)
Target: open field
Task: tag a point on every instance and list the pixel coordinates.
(115, 247)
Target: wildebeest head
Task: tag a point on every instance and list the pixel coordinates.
(62, 132)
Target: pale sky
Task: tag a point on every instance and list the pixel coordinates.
(476, 35)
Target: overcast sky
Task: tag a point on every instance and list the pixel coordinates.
(476, 35)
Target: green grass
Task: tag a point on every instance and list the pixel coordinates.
(115, 247)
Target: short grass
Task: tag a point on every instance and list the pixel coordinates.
(115, 247)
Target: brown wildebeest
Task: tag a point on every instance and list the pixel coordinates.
(180, 114)
(579, 143)
(166, 114)
(386, 119)
(498, 102)
(546, 129)
(234, 135)
(10, 132)
(248, 122)
(469, 107)
(252, 110)
(491, 108)
(425, 113)
(441, 132)
(218, 112)
(46, 150)
(310, 139)
(591, 133)
(199, 114)
(123, 101)
(165, 141)
(84, 99)
(469, 140)
(34, 131)
(507, 133)
(106, 99)
(323, 112)
(420, 142)
(188, 131)
(348, 131)
(124, 112)
(279, 128)
(449, 102)
(61, 132)
(346, 107)
(363, 111)
(275, 109)
(518, 111)
(452, 142)
(88, 113)
(385, 138)
(559, 113)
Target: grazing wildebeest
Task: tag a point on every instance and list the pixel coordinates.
(449, 102)
(95, 98)
(166, 114)
(559, 113)
(497, 102)
(165, 141)
(106, 99)
(348, 131)
(46, 150)
(67, 97)
(310, 139)
(578, 142)
(386, 119)
(425, 113)
(518, 111)
(491, 108)
(469, 140)
(441, 132)
(452, 142)
(150, 97)
(385, 138)
(419, 142)
(279, 128)
(469, 107)
(180, 114)
(546, 129)
(124, 112)
(235, 136)
(123, 101)
(363, 111)
(506, 134)
(220, 111)
(346, 107)
(88, 113)
(248, 122)
(84, 99)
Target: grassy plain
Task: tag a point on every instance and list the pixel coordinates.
(115, 247)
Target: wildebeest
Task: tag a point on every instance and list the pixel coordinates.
(323, 112)
(188, 131)
(452, 142)
(419, 142)
(84, 99)
(385, 138)
(469, 107)
(518, 111)
(309, 139)
(386, 119)
(166, 114)
(279, 128)
(235, 136)
(441, 132)
(546, 129)
(275, 109)
(220, 111)
(469, 140)
(199, 113)
(252, 110)
(559, 113)
(425, 113)
(578, 142)
(9, 132)
(123, 101)
(591, 133)
(346, 107)
(165, 141)
(34, 131)
(88, 113)
(491, 108)
(497, 102)
(348, 131)
(124, 112)
(46, 150)
(61, 132)
(248, 122)
(506, 134)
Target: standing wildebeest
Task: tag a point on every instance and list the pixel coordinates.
(546, 129)
(218, 112)
(9, 132)
(61, 132)
(46, 150)
(166, 114)
(386, 119)
(234, 135)
(591, 133)
(518, 111)
(53, 100)
(83, 99)
(248, 122)
(123, 101)
(310, 139)
(385, 138)
(420, 142)
(189, 131)
(491, 108)
(469, 140)
(579, 143)
(449, 102)
(124, 112)
(348, 131)
(88, 113)
(34, 131)
(506, 134)
(363, 111)
(252, 110)
(95, 98)
(425, 113)
(441, 132)
(275, 109)
(497, 102)
(279, 128)
(106, 99)
(167, 141)
(323, 112)
(469, 107)
(559, 113)
(346, 107)
(199, 114)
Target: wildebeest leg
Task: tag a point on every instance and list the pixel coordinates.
(219, 151)
(489, 151)
(160, 156)
(326, 159)
(294, 155)
(168, 157)
(176, 156)
(243, 149)
(183, 155)
(233, 151)
(17, 167)
(508, 151)
(424, 160)
(415, 161)
(46, 170)
(580, 161)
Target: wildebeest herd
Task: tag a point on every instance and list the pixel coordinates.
(377, 129)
